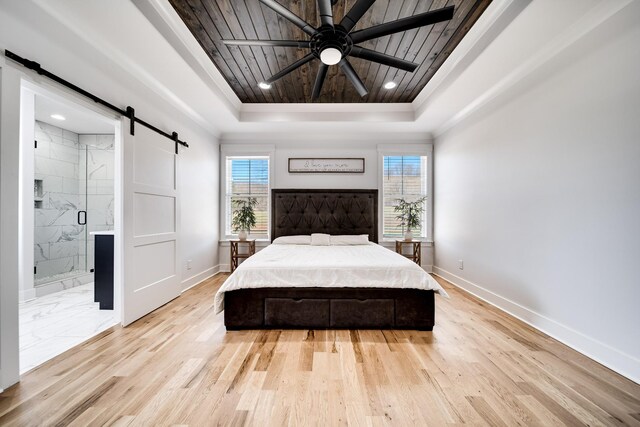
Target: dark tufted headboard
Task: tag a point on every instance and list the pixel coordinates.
(296, 211)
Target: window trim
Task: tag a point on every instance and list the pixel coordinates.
(406, 150)
(240, 150)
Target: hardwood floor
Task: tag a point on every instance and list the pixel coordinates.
(179, 366)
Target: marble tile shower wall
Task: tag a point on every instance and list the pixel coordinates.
(57, 235)
(77, 173)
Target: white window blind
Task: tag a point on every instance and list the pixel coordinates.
(248, 176)
(405, 177)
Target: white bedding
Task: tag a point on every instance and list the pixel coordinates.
(361, 266)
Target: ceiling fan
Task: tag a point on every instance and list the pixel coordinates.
(333, 43)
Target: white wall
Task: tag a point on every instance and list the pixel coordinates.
(346, 147)
(199, 191)
(540, 196)
(45, 40)
(284, 151)
(9, 217)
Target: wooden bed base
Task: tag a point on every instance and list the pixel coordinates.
(329, 308)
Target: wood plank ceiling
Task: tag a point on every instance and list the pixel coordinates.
(211, 21)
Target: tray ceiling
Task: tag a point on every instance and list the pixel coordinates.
(211, 21)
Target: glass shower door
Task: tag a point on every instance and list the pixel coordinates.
(59, 190)
(100, 161)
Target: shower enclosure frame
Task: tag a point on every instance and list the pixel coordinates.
(68, 207)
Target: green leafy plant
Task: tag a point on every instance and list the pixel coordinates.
(410, 213)
(244, 217)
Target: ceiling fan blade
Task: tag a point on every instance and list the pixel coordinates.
(275, 43)
(286, 13)
(357, 11)
(299, 63)
(326, 14)
(317, 87)
(353, 76)
(403, 24)
(382, 58)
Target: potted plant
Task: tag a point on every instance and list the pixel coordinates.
(243, 217)
(410, 215)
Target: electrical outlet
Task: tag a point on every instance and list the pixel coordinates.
(189, 265)
(460, 264)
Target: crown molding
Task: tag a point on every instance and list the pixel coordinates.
(167, 21)
(129, 64)
(327, 113)
(329, 139)
(491, 23)
(593, 19)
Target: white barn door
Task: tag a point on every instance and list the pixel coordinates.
(151, 217)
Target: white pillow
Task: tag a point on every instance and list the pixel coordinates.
(319, 239)
(293, 240)
(344, 240)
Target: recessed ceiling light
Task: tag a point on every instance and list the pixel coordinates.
(390, 85)
(263, 85)
(58, 117)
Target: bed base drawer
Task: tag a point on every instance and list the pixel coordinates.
(329, 308)
(362, 313)
(282, 312)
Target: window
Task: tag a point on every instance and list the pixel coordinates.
(248, 176)
(404, 177)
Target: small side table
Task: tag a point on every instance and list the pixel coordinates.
(236, 255)
(416, 248)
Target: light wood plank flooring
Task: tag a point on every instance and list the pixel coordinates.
(178, 366)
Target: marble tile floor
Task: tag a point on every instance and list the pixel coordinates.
(54, 323)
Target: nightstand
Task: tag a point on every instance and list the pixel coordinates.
(236, 255)
(416, 248)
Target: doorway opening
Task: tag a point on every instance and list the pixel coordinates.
(69, 200)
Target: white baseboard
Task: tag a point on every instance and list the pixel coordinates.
(197, 278)
(614, 359)
(27, 295)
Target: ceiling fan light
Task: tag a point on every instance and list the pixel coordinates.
(263, 85)
(390, 85)
(330, 56)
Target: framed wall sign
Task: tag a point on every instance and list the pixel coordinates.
(326, 165)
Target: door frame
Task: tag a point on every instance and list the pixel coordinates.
(15, 194)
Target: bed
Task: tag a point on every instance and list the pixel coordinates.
(361, 286)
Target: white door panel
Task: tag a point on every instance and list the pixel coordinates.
(151, 212)
(154, 166)
(146, 222)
